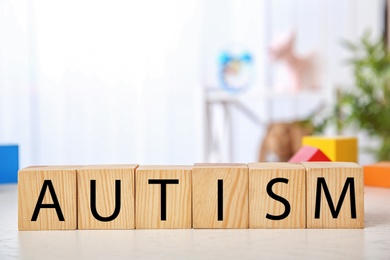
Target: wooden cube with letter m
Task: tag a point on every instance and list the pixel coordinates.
(335, 195)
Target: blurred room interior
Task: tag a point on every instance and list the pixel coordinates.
(156, 82)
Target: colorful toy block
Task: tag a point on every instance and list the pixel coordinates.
(47, 198)
(334, 195)
(309, 154)
(337, 149)
(106, 196)
(277, 195)
(163, 197)
(220, 196)
(377, 174)
(9, 163)
(258, 195)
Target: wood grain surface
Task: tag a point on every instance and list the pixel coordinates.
(294, 192)
(178, 197)
(335, 175)
(205, 195)
(30, 184)
(105, 176)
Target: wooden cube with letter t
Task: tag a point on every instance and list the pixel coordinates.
(163, 197)
(47, 198)
(106, 196)
(277, 195)
(335, 195)
(220, 196)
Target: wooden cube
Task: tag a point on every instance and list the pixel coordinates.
(47, 198)
(377, 174)
(277, 195)
(163, 197)
(106, 196)
(220, 196)
(337, 149)
(334, 195)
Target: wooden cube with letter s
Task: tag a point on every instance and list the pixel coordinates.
(277, 195)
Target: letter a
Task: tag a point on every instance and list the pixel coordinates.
(55, 205)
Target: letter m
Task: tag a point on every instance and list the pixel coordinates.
(321, 184)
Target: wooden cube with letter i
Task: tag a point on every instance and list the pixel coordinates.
(163, 197)
(335, 195)
(106, 196)
(220, 196)
(47, 198)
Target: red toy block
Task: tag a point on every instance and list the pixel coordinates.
(309, 154)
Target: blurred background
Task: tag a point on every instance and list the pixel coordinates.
(175, 82)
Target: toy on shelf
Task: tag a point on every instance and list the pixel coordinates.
(9, 163)
(377, 174)
(282, 140)
(235, 70)
(309, 154)
(337, 149)
(301, 70)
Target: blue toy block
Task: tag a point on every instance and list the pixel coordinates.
(9, 163)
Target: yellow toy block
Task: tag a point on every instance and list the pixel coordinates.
(338, 149)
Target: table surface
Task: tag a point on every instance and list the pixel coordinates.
(373, 242)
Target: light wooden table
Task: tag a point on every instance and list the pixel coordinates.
(373, 242)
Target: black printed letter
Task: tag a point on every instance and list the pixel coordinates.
(117, 202)
(220, 200)
(163, 194)
(335, 212)
(278, 198)
(55, 205)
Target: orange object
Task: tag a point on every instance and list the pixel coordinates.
(377, 174)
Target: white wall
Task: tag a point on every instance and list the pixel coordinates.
(121, 81)
(101, 81)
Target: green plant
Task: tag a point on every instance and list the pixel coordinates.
(366, 106)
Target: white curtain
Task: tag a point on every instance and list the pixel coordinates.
(101, 81)
(15, 77)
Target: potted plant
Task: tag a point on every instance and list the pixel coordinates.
(366, 105)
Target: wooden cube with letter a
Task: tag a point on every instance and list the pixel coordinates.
(277, 195)
(47, 198)
(220, 196)
(106, 196)
(163, 197)
(335, 195)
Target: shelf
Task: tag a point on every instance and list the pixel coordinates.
(214, 94)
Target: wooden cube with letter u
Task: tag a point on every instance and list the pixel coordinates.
(106, 196)
(277, 195)
(163, 197)
(220, 195)
(47, 198)
(335, 195)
